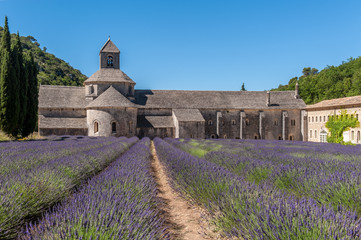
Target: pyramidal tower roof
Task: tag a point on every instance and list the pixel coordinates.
(111, 98)
(110, 47)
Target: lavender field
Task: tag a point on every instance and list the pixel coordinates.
(104, 188)
(270, 189)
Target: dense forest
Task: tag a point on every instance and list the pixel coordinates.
(52, 70)
(332, 82)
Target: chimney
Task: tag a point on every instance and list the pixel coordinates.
(268, 98)
(297, 91)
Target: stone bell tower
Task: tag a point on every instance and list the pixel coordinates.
(109, 55)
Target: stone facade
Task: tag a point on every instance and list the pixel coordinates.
(108, 105)
(318, 115)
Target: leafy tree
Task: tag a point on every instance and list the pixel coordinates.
(51, 70)
(306, 71)
(243, 88)
(337, 124)
(332, 82)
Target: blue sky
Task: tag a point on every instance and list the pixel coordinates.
(195, 45)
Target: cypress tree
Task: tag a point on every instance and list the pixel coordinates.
(22, 83)
(9, 112)
(31, 117)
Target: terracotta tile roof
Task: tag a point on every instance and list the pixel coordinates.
(110, 98)
(217, 99)
(346, 101)
(188, 115)
(109, 75)
(61, 97)
(69, 123)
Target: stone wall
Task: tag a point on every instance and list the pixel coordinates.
(155, 111)
(62, 131)
(191, 129)
(124, 118)
(253, 124)
(155, 132)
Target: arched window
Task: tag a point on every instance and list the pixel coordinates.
(247, 122)
(358, 136)
(110, 61)
(213, 136)
(292, 138)
(114, 127)
(96, 127)
(233, 122)
(255, 137)
(275, 122)
(352, 135)
(315, 133)
(210, 123)
(323, 136)
(280, 137)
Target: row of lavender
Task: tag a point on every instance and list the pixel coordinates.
(20, 156)
(39, 175)
(119, 203)
(302, 169)
(245, 209)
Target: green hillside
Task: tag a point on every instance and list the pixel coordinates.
(52, 70)
(332, 82)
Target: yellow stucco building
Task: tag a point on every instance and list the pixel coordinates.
(319, 113)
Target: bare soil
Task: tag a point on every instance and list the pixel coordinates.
(183, 219)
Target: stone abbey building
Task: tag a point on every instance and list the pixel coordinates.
(108, 105)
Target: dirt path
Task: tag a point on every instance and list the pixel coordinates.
(184, 221)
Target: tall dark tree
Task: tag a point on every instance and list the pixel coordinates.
(243, 88)
(31, 117)
(23, 80)
(9, 98)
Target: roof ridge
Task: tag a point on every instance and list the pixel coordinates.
(60, 86)
(235, 91)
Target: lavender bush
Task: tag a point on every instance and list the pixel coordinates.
(119, 203)
(303, 169)
(27, 192)
(243, 208)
